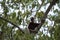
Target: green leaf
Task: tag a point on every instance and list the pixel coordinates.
(33, 5)
(20, 20)
(56, 10)
(14, 15)
(39, 14)
(1, 21)
(19, 13)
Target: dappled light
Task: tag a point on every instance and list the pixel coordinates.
(15, 22)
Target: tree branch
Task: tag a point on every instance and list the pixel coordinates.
(12, 24)
(45, 15)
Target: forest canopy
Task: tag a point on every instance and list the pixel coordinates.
(15, 16)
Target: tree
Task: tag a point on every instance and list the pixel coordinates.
(17, 12)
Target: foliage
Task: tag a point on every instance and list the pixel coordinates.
(19, 12)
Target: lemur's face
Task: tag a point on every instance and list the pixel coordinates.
(32, 19)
